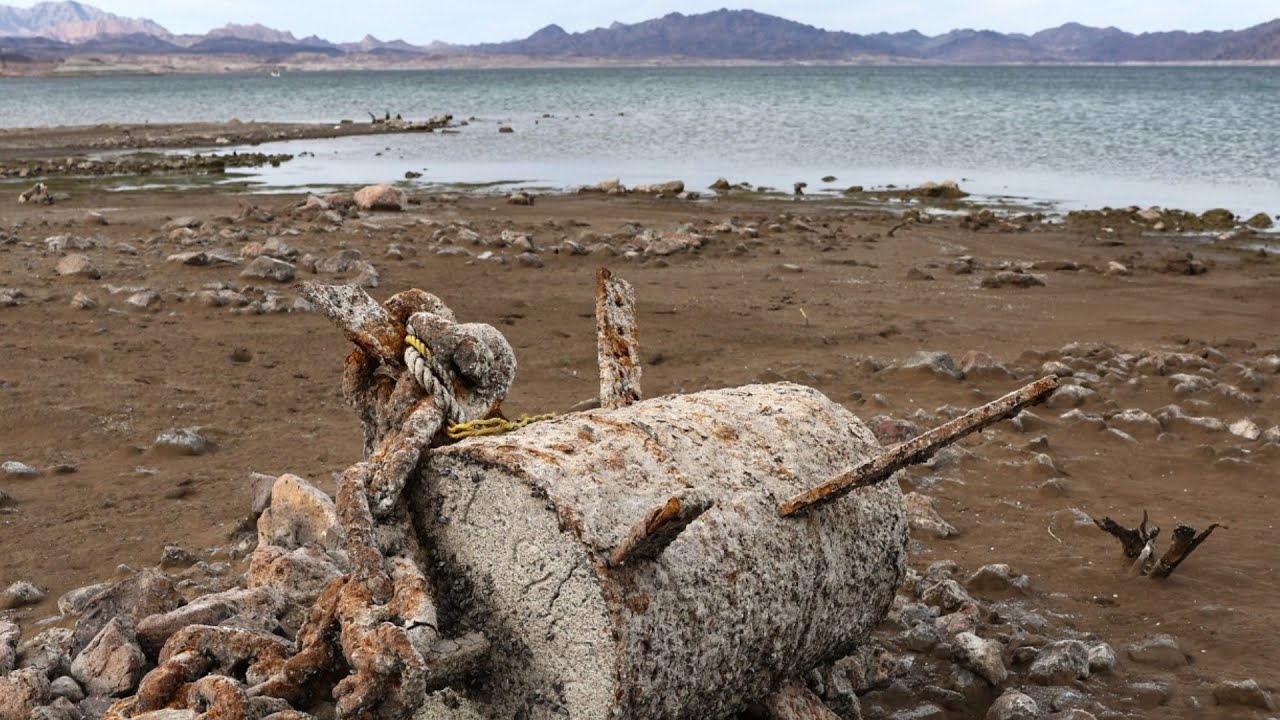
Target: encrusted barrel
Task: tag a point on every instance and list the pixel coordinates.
(521, 528)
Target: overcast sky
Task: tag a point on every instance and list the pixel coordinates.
(473, 21)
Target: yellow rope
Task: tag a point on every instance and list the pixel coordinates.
(492, 426)
(474, 428)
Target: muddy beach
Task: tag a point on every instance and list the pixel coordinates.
(125, 316)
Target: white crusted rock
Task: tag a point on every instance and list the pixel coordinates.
(112, 662)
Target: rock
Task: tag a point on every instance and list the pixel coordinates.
(11, 296)
(19, 594)
(924, 518)
(925, 711)
(947, 190)
(1060, 663)
(380, 197)
(1102, 658)
(38, 194)
(367, 277)
(1245, 693)
(77, 264)
(1260, 221)
(21, 692)
(299, 513)
(93, 708)
(1161, 651)
(181, 441)
(1149, 695)
(83, 301)
(1010, 278)
(529, 259)
(254, 606)
(1135, 422)
(1069, 396)
(997, 578)
(269, 268)
(66, 687)
(891, 432)
(1218, 219)
(1246, 429)
(520, 198)
(980, 656)
(505, 129)
(975, 363)
(611, 186)
(918, 274)
(300, 574)
(143, 299)
(946, 594)
(74, 602)
(49, 652)
(9, 635)
(671, 187)
(111, 664)
(939, 363)
(15, 469)
(145, 593)
(1013, 705)
(341, 262)
(720, 185)
(176, 558)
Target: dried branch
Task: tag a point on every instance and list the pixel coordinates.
(618, 350)
(1133, 540)
(1185, 541)
(919, 449)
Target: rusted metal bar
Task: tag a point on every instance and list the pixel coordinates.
(360, 318)
(920, 449)
(618, 350)
(659, 527)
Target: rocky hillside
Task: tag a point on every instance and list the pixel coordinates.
(70, 21)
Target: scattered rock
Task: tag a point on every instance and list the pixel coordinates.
(1246, 429)
(1218, 219)
(520, 198)
(9, 635)
(20, 594)
(923, 517)
(143, 299)
(66, 687)
(997, 578)
(299, 513)
(671, 187)
(939, 363)
(947, 190)
(77, 265)
(111, 664)
(1244, 693)
(1161, 651)
(269, 268)
(1117, 268)
(1011, 278)
(182, 441)
(1060, 663)
(1102, 658)
(1260, 221)
(380, 197)
(145, 593)
(1013, 705)
(38, 194)
(83, 301)
(21, 692)
(980, 656)
(300, 574)
(15, 469)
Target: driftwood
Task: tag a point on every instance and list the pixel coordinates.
(877, 469)
(1139, 543)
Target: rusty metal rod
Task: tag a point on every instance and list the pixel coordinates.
(919, 449)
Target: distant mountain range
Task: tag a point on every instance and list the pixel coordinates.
(55, 31)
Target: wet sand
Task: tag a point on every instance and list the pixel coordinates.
(824, 296)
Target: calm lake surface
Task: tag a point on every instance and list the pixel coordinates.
(1188, 137)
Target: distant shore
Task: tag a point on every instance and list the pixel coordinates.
(113, 66)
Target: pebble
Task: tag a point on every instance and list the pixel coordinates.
(77, 265)
(1013, 705)
(923, 517)
(83, 301)
(1060, 663)
(1246, 429)
(269, 268)
(1245, 693)
(997, 578)
(20, 594)
(13, 468)
(143, 299)
(183, 441)
(1161, 651)
(980, 656)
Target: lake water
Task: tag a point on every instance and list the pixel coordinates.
(1187, 137)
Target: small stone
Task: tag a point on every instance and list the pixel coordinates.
(176, 558)
(939, 363)
(1013, 705)
(111, 664)
(1069, 396)
(9, 635)
(997, 578)
(16, 469)
(269, 268)
(923, 517)
(1060, 663)
(73, 602)
(83, 301)
(1246, 693)
(145, 593)
(1119, 269)
(529, 259)
(926, 711)
(78, 265)
(1161, 651)
(21, 692)
(299, 513)
(20, 594)
(980, 656)
(144, 299)
(1102, 658)
(520, 198)
(1009, 278)
(380, 197)
(66, 687)
(1149, 695)
(1246, 429)
(182, 441)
